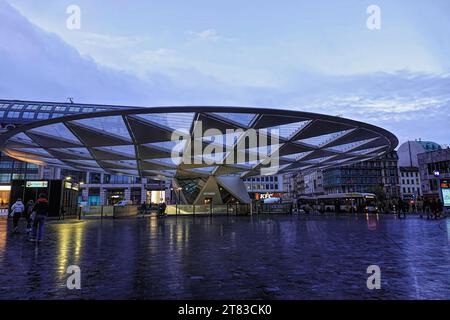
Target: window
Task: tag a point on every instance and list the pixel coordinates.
(32, 107)
(2, 113)
(4, 105)
(43, 115)
(74, 109)
(28, 115)
(17, 107)
(5, 177)
(57, 115)
(18, 176)
(60, 109)
(88, 109)
(46, 108)
(13, 114)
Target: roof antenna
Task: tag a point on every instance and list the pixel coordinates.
(70, 99)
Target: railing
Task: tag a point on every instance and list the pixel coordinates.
(175, 210)
(108, 211)
(273, 208)
(125, 211)
(69, 212)
(208, 209)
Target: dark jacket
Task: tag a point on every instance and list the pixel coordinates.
(41, 207)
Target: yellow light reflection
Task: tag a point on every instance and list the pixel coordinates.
(3, 234)
(70, 237)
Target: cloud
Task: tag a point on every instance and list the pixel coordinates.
(206, 35)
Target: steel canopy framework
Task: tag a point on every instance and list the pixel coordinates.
(138, 141)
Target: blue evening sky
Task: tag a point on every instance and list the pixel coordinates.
(315, 56)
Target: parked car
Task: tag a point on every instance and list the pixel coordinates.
(122, 203)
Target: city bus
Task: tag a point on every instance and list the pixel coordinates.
(340, 203)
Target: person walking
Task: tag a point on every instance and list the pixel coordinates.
(143, 208)
(162, 209)
(41, 212)
(439, 208)
(399, 208)
(16, 212)
(28, 214)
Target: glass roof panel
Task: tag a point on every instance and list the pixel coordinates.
(287, 131)
(323, 139)
(57, 130)
(296, 156)
(169, 173)
(166, 161)
(265, 149)
(176, 120)
(239, 118)
(112, 124)
(54, 161)
(131, 163)
(203, 169)
(213, 158)
(22, 137)
(124, 150)
(349, 146)
(77, 151)
(223, 139)
(39, 151)
(366, 151)
(88, 163)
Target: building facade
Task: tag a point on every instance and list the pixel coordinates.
(313, 183)
(379, 174)
(260, 187)
(408, 166)
(434, 169)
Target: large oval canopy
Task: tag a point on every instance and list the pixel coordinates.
(140, 141)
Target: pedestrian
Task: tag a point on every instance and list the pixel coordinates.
(41, 212)
(162, 209)
(16, 212)
(439, 208)
(62, 213)
(143, 208)
(399, 207)
(28, 214)
(427, 207)
(433, 209)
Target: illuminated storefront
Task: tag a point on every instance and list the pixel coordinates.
(445, 190)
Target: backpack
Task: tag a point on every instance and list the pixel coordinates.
(18, 207)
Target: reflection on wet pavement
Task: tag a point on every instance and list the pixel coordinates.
(277, 257)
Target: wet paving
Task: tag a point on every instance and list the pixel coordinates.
(259, 257)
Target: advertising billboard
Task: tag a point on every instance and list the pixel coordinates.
(446, 197)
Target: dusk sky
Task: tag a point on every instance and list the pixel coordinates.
(316, 56)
